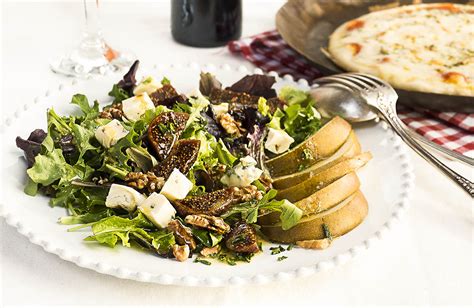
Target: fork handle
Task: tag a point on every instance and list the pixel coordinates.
(445, 151)
(398, 127)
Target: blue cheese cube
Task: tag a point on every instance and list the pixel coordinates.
(124, 197)
(220, 109)
(147, 85)
(243, 174)
(110, 133)
(158, 210)
(278, 141)
(134, 107)
(177, 186)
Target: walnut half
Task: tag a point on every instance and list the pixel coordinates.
(230, 125)
(181, 252)
(212, 223)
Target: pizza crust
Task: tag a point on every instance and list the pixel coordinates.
(425, 47)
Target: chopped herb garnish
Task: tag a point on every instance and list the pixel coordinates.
(290, 247)
(165, 81)
(232, 258)
(281, 258)
(327, 232)
(199, 260)
(277, 250)
(147, 80)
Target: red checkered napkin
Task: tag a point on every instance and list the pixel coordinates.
(269, 51)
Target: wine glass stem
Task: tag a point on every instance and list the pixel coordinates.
(92, 35)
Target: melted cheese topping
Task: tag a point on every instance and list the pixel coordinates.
(426, 47)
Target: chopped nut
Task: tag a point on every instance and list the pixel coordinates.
(113, 112)
(249, 193)
(181, 252)
(147, 182)
(314, 244)
(212, 223)
(230, 125)
(182, 234)
(208, 251)
(266, 182)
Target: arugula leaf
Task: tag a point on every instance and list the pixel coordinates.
(85, 218)
(57, 123)
(140, 156)
(207, 238)
(111, 230)
(290, 214)
(79, 200)
(118, 94)
(82, 137)
(51, 167)
(83, 103)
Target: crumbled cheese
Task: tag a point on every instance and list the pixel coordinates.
(243, 174)
(110, 133)
(124, 197)
(134, 107)
(278, 141)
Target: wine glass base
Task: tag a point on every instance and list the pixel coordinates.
(86, 67)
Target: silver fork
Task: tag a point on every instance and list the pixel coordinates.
(382, 97)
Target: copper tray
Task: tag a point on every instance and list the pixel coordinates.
(306, 25)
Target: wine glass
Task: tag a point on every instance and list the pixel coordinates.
(92, 56)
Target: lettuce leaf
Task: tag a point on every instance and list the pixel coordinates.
(223, 154)
(301, 122)
(300, 119)
(114, 229)
(295, 96)
(51, 167)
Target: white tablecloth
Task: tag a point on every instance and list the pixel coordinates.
(426, 259)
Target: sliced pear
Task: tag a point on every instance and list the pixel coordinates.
(323, 199)
(323, 179)
(330, 195)
(340, 219)
(319, 146)
(349, 149)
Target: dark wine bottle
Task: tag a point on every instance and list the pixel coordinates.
(206, 23)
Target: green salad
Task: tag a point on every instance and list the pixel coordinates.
(176, 175)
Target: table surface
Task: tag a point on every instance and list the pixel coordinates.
(426, 259)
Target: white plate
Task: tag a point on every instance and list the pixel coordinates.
(386, 183)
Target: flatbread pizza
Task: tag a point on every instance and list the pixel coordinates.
(422, 47)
